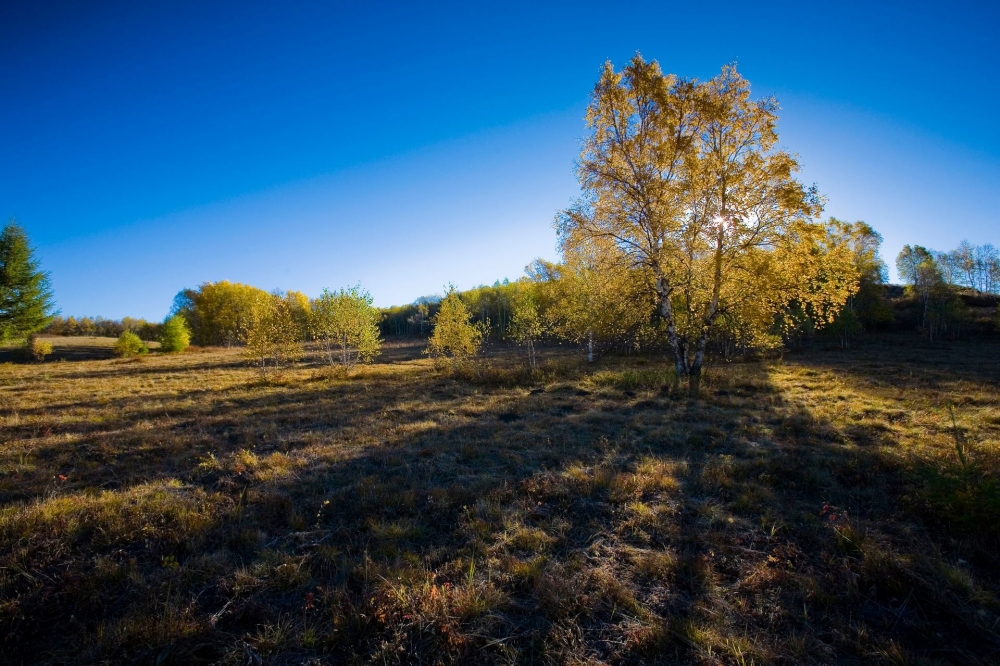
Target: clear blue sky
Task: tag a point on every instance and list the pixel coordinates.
(149, 146)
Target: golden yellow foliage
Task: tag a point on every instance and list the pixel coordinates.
(346, 323)
(270, 334)
(455, 336)
(683, 181)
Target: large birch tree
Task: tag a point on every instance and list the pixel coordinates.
(684, 180)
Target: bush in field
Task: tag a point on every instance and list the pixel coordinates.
(271, 334)
(175, 336)
(455, 337)
(129, 344)
(347, 324)
(40, 348)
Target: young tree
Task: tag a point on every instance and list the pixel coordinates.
(526, 325)
(270, 334)
(40, 348)
(25, 292)
(129, 344)
(174, 334)
(918, 268)
(455, 337)
(347, 325)
(590, 301)
(867, 307)
(684, 181)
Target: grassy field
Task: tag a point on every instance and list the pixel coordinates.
(829, 507)
(74, 348)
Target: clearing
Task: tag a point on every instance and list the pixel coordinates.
(816, 509)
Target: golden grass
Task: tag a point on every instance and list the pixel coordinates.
(831, 507)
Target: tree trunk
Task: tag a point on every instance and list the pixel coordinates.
(590, 346)
(694, 376)
(676, 344)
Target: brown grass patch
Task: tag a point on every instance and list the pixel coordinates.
(826, 508)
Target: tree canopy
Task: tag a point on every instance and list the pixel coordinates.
(684, 182)
(26, 304)
(217, 312)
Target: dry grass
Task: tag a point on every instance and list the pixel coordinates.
(825, 508)
(67, 348)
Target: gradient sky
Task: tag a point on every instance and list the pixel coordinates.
(149, 147)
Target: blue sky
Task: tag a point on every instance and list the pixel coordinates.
(149, 147)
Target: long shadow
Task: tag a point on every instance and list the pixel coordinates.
(407, 483)
(60, 353)
(392, 353)
(893, 359)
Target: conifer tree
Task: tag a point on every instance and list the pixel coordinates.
(25, 292)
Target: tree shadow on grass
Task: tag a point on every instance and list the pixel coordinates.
(432, 520)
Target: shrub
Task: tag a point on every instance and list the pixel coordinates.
(40, 348)
(175, 336)
(129, 344)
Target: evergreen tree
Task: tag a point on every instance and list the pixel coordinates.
(25, 292)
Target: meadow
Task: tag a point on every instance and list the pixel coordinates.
(823, 507)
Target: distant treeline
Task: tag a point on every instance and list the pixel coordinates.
(491, 306)
(101, 327)
(949, 294)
